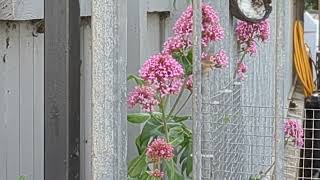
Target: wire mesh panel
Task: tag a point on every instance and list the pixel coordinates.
(241, 126)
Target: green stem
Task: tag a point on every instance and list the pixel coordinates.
(179, 97)
(185, 102)
(238, 65)
(164, 119)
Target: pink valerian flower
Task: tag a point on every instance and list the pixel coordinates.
(242, 70)
(247, 31)
(159, 149)
(176, 43)
(264, 30)
(156, 173)
(211, 28)
(189, 84)
(144, 96)
(251, 48)
(294, 130)
(163, 73)
(220, 60)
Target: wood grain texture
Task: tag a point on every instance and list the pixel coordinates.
(86, 80)
(62, 90)
(26, 100)
(3, 76)
(13, 102)
(6, 7)
(38, 115)
(32, 9)
(22, 65)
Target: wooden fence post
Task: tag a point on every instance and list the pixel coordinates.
(62, 89)
(109, 50)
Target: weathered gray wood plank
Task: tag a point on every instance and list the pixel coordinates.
(12, 101)
(32, 9)
(38, 94)
(86, 49)
(26, 99)
(85, 7)
(159, 5)
(3, 132)
(6, 9)
(62, 90)
(153, 43)
(27, 9)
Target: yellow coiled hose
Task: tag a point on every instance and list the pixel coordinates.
(301, 60)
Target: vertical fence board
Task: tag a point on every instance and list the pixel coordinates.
(38, 94)
(3, 132)
(26, 100)
(86, 49)
(62, 90)
(88, 99)
(12, 101)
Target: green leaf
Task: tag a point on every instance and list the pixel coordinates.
(151, 128)
(171, 171)
(226, 119)
(181, 118)
(185, 61)
(138, 118)
(176, 136)
(137, 79)
(253, 177)
(186, 152)
(144, 176)
(189, 165)
(22, 178)
(141, 145)
(137, 166)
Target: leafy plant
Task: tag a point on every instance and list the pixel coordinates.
(22, 178)
(165, 142)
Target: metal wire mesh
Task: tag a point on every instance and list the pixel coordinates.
(242, 134)
(237, 140)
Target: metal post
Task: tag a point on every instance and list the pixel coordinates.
(197, 94)
(109, 112)
(279, 121)
(62, 90)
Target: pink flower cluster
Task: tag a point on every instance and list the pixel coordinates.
(248, 32)
(163, 73)
(211, 29)
(175, 43)
(144, 96)
(242, 70)
(220, 60)
(156, 173)
(294, 130)
(190, 83)
(159, 149)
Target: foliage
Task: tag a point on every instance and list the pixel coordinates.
(311, 4)
(22, 178)
(165, 142)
